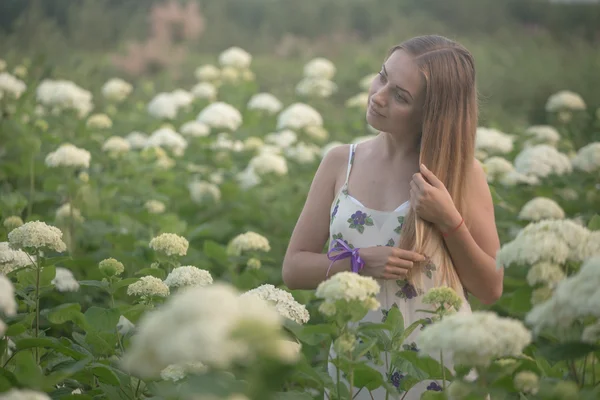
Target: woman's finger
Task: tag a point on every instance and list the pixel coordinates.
(408, 255)
(400, 263)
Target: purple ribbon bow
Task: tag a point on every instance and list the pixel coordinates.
(346, 251)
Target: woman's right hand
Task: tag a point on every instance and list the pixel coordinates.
(386, 262)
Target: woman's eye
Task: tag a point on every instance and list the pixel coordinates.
(400, 98)
(381, 77)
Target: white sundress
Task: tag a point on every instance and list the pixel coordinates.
(360, 226)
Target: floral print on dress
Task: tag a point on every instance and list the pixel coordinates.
(385, 312)
(341, 237)
(400, 222)
(390, 243)
(429, 268)
(335, 210)
(407, 290)
(411, 347)
(359, 220)
(434, 386)
(396, 379)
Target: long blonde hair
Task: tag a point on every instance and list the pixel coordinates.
(447, 145)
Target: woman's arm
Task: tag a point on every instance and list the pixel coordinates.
(305, 265)
(473, 246)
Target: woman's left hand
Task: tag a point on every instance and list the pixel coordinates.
(430, 199)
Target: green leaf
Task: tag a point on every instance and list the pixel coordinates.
(156, 272)
(124, 282)
(102, 319)
(15, 330)
(65, 371)
(215, 251)
(395, 321)
(594, 224)
(64, 313)
(315, 334)
(105, 374)
(46, 275)
(27, 371)
(433, 395)
(98, 284)
(420, 367)
(521, 300)
(53, 343)
(567, 351)
(367, 377)
(55, 260)
(293, 396)
(26, 277)
(360, 228)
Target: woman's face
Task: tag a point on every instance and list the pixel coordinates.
(396, 96)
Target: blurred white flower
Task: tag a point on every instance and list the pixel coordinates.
(116, 145)
(111, 267)
(316, 132)
(8, 304)
(9, 85)
(541, 161)
(116, 90)
(170, 244)
(61, 95)
(266, 163)
(540, 208)
(284, 302)
(253, 143)
(316, 87)
(202, 190)
(176, 372)
(205, 90)
(235, 57)
(137, 140)
(24, 394)
(542, 134)
(230, 75)
(474, 339)
(282, 139)
(223, 142)
(124, 326)
(182, 98)
(68, 155)
(329, 147)
(36, 235)
(11, 222)
(64, 281)
(167, 138)
(207, 72)
(195, 129)
(11, 259)
(163, 106)
(320, 68)
(2, 65)
(493, 141)
(221, 115)
(265, 102)
(155, 207)
(587, 158)
(215, 326)
(247, 178)
(303, 153)
(188, 276)
(360, 100)
(148, 286)
(248, 242)
(63, 214)
(298, 116)
(348, 287)
(545, 273)
(497, 167)
(365, 82)
(591, 333)
(565, 100)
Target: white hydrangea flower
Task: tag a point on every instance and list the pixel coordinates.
(265, 102)
(360, 100)
(207, 72)
(541, 161)
(253, 143)
(474, 339)
(591, 333)
(3, 328)
(2, 65)
(248, 178)
(11, 222)
(285, 303)
(513, 178)
(224, 142)
(170, 244)
(320, 68)
(116, 89)
(215, 326)
(298, 116)
(63, 213)
(266, 163)
(565, 100)
(167, 138)
(543, 134)
(246, 242)
(348, 286)
(316, 87)
(230, 75)
(205, 90)
(137, 140)
(11, 259)
(8, 305)
(493, 141)
(235, 57)
(496, 167)
(24, 394)
(329, 147)
(182, 98)
(575, 297)
(155, 207)
(195, 129)
(221, 116)
(545, 273)
(202, 190)
(527, 382)
(549, 240)
(163, 106)
(37, 235)
(116, 145)
(588, 158)
(124, 326)
(68, 155)
(177, 372)
(188, 276)
(61, 95)
(540, 208)
(111, 267)
(282, 139)
(64, 281)
(365, 82)
(303, 153)
(148, 286)
(317, 133)
(11, 85)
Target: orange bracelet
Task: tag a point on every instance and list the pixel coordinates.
(462, 220)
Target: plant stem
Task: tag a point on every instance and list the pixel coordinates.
(443, 371)
(137, 388)
(337, 370)
(37, 308)
(31, 186)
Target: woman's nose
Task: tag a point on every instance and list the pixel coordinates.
(379, 97)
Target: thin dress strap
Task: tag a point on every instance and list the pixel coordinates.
(350, 161)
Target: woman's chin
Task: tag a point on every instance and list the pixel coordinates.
(374, 123)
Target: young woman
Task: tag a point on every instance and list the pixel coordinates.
(413, 200)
